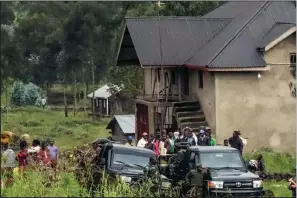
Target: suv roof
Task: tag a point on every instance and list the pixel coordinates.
(211, 148)
(119, 146)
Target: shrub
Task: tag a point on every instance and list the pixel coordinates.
(18, 93)
(26, 94)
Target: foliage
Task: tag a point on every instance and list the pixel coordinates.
(25, 94)
(18, 93)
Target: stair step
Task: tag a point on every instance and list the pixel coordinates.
(200, 118)
(186, 103)
(189, 114)
(187, 108)
(193, 124)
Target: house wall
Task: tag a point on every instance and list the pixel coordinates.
(149, 78)
(263, 109)
(205, 95)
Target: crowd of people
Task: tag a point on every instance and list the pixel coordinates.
(163, 141)
(39, 155)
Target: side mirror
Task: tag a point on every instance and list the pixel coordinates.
(102, 161)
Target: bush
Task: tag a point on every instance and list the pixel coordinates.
(26, 94)
(18, 94)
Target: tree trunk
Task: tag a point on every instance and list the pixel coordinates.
(65, 102)
(93, 105)
(87, 86)
(74, 94)
(85, 97)
(6, 95)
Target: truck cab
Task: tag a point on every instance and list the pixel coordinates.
(226, 172)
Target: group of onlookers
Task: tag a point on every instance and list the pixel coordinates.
(39, 155)
(163, 142)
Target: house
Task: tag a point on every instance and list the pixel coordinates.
(230, 69)
(122, 126)
(100, 99)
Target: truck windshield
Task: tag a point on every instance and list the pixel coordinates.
(131, 159)
(222, 160)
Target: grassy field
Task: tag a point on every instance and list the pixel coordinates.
(74, 131)
(44, 123)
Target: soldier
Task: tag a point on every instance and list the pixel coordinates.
(152, 172)
(195, 179)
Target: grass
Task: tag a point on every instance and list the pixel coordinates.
(76, 131)
(44, 123)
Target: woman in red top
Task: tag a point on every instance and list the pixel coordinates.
(43, 155)
(23, 157)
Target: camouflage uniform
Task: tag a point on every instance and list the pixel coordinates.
(152, 172)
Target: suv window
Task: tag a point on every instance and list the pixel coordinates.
(225, 159)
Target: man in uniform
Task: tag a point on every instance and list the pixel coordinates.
(152, 172)
(195, 179)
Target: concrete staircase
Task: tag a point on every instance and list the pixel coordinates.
(189, 114)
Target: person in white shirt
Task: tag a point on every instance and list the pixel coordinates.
(35, 146)
(143, 141)
(43, 102)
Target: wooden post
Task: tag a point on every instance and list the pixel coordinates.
(107, 106)
(179, 86)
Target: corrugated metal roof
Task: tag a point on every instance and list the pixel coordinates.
(102, 92)
(276, 31)
(177, 37)
(248, 28)
(126, 123)
(209, 41)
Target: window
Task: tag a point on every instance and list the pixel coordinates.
(173, 77)
(200, 76)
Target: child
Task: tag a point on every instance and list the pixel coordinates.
(22, 157)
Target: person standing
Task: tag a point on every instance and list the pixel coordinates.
(171, 141)
(163, 144)
(190, 138)
(213, 141)
(151, 172)
(130, 141)
(43, 155)
(156, 142)
(236, 142)
(203, 140)
(53, 152)
(292, 187)
(43, 102)
(7, 163)
(226, 142)
(143, 141)
(22, 157)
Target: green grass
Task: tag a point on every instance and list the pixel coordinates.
(279, 188)
(275, 162)
(44, 123)
(76, 131)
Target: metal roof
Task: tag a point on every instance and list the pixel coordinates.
(102, 92)
(225, 37)
(126, 123)
(171, 40)
(275, 32)
(212, 148)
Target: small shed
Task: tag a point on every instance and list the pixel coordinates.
(101, 100)
(122, 126)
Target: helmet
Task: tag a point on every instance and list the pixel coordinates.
(129, 137)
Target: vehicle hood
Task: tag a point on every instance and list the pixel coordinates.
(127, 171)
(230, 174)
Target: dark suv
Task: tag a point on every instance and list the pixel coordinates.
(126, 162)
(226, 173)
